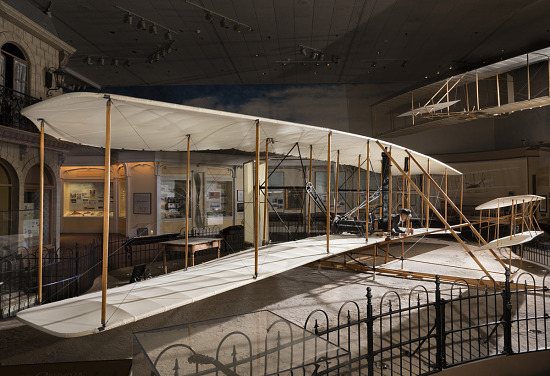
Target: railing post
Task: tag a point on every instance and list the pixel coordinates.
(507, 315)
(370, 335)
(440, 356)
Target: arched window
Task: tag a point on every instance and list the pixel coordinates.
(13, 68)
(8, 185)
(32, 205)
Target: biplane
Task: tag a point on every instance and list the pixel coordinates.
(119, 122)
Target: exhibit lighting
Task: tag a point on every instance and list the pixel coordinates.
(128, 18)
(141, 24)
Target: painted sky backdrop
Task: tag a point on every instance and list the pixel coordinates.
(319, 105)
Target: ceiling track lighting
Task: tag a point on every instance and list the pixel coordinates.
(161, 53)
(210, 16)
(305, 63)
(128, 18)
(143, 22)
(115, 61)
(314, 53)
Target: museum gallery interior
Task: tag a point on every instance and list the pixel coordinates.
(253, 187)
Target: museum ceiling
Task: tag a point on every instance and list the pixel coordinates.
(210, 42)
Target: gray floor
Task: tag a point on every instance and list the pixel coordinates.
(293, 295)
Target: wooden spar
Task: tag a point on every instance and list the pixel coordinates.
(466, 221)
(480, 226)
(265, 192)
(448, 108)
(328, 190)
(358, 182)
(336, 187)
(106, 210)
(528, 79)
(498, 92)
(461, 194)
(467, 98)
(408, 196)
(389, 196)
(308, 196)
(374, 261)
(412, 106)
(257, 200)
(477, 90)
(368, 193)
(402, 253)
(446, 201)
(423, 190)
(187, 200)
(428, 194)
(447, 226)
(41, 214)
(498, 220)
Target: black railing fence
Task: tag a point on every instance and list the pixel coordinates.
(428, 331)
(11, 104)
(69, 272)
(66, 273)
(537, 250)
(285, 227)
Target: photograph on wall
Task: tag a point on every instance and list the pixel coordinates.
(142, 203)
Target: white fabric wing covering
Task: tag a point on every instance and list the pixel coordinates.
(139, 124)
(502, 202)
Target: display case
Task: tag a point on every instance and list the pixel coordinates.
(219, 201)
(85, 199)
(173, 198)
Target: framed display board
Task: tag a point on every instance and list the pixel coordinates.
(142, 203)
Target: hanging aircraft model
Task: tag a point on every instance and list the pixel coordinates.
(138, 124)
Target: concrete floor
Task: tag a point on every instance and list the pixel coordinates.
(292, 295)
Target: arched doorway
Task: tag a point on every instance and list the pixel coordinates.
(32, 205)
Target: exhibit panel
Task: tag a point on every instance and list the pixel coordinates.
(83, 199)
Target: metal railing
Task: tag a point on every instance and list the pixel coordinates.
(537, 250)
(439, 329)
(11, 104)
(69, 272)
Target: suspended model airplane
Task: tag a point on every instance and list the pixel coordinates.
(113, 121)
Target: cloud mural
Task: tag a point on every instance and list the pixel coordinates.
(319, 105)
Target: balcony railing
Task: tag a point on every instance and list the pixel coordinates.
(11, 104)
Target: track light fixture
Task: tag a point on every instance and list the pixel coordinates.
(128, 18)
(101, 61)
(161, 52)
(210, 16)
(314, 53)
(143, 22)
